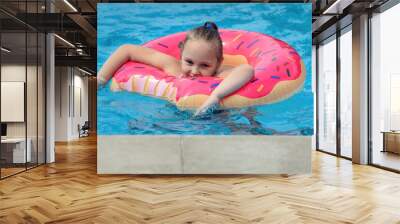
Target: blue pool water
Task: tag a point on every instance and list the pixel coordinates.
(131, 113)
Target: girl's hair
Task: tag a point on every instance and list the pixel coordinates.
(208, 32)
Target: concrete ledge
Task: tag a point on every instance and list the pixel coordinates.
(130, 154)
(133, 154)
(246, 154)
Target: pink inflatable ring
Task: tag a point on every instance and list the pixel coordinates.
(279, 72)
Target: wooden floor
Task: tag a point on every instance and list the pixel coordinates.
(70, 191)
(5, 172)
(387, 159)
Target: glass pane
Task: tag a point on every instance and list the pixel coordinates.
(32, 83)
(327, 96)
(22, 63)
(13, 86)
(41, 99)
(346, 94)
(386, 89)
(314, 73)
(31, 101)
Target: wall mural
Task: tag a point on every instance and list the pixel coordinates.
(204, 69)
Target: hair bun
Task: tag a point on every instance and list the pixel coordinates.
(210, 26)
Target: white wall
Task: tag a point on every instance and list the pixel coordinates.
(33, 127)
(13, 101)
(16, 73)
(13, 72)
(71, 93)
(61, 103)
(81, 82)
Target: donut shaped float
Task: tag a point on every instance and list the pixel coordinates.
(278, 72)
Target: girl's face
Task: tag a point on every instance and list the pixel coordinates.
(199, 58)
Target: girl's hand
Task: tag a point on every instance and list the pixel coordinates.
(100, 82)
(210, 102)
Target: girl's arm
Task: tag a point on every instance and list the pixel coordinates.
(237, 77)
(139, 54)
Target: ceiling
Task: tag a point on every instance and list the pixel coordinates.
(76, 22)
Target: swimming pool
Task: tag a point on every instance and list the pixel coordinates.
(129, 113)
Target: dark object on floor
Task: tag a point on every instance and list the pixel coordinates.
(84, 130)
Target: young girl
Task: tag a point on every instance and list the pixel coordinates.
(201, 55)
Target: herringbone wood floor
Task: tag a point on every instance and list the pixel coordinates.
(70, 191)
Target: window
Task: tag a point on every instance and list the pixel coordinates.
(346, 75)
(385, 88)
(327, 95)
